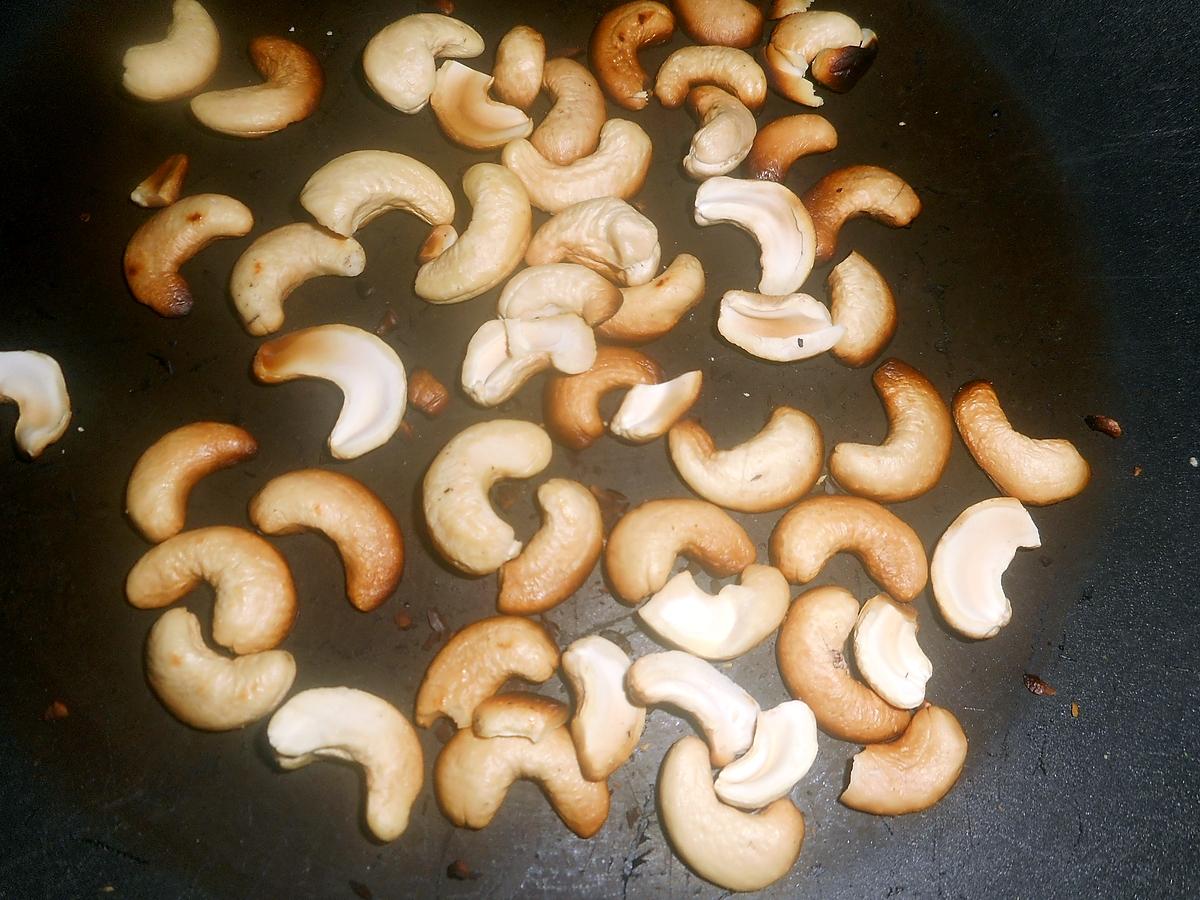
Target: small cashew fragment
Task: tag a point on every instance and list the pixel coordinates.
(854, 191)
(164, 475)
(256, 601)
(615, 43)
(644, 544)
(783, 141)
(354, 726)
(650, 310)
(400, 62)
(771, 470)
(649, 410)
(785, 745)
(726, 132)
(470, 117)
(606, 726)
(773, 216)
(365, 368)
(1035, 471)
(518, 714)
(349, 514)
(605, 234)
(205, 689)
(911, 773)
(178, 64)
(170, 238)
(163, 186)
(887, 653)
(812, 661)
(34, 381)
(777, 328)
(440, 239)
(520, 59)
(571, 403)
(280, 261)
(815, 529)
(782, 8)
(542, 291)
(726, 67)
(461, 522)
(293, 87)
(617, 169)
(571, 130)
(730, 23)
(913, 457)
(838, 50)
(862, 303)
(970, 559)
(505, 353)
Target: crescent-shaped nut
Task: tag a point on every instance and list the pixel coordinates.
(518, 714)
(729, 23)
(785, 745)
(736, 619)
(723, 710)
(771, 470)
(616, 40)
(492, 245)
(351, 190)
(542, 291)
(571, 403)
(368, 371)
(280, 261)
(1035, 471)
(726, 67)
(605, 234)
(571, 129)
(170, 238)
(206, 690)
(400, 62)
(773, 216)
(255, 598)
(861, 301)
(292, 89)
(780, 143)
(913, 457)
(815, 529)
(470, 117)
(650, 310)
(606, 726)
(617, 169)
(559, 557)
(736, 850)
(520, 60)
(178, 64)
(649, 410)
(798, 41)
(911, 773)
(354, 726)
(726, 132)
(461, 522)
(349, 514)
(784, 328)
(163, 186)
(970, 559)
(505, 353)
(34, 381)
(812, 661)
(163, 477)
(855, 191)
(887, 653)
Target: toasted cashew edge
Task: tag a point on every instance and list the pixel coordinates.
(520, 61)
(34, 381)
(845, 51)
(616, 40)
(649, 311)
(164, 185)
(726, 67)
(400, 61)
(784, 748)
(518, 714)
(571, 403)
(606, 727)
(861, 301)
(178, 64)
(605, 234)
(854, 191)
(778, 144)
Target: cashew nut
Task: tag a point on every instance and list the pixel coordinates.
(854, 191)
(163, 186)
(650, 310)
(505, 353)
(571, 403)
(615, 43)
(726, 67)
(542, 291)
(163, 477)
(845, 52)
(777, 328)
(785, 745)
(280, 261)
(571, 130)
(255, 599)
(470, 117)
(730, 23)
(649, 410)
(518, 714)
(605, 234)
(400, 62)
(178, 64)
(170, 238)
(368, 371)
(349, 514)
(783, 141)
(606, 726)
(34, 381)
(461, 522)
(726, 132)
(520, 59)
(887, 653)
(862, 303)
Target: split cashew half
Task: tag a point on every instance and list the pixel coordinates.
(518, 714)
(571, 403)
(400, 62)
(729, 23)
(833, 44)
(785, 745)
(861, 301)
(648, 311)
(520, 61)
(164, 185)
(505, 353)
(887, 653)
(178, 64)
(606, 726)
(726, 67)
(34, 381)
(649, 410)
(571, 130)
(783, 328)
(616, 40)
(780, 143)
(605, 234)
(855, 191)
(468, 115)
(557, 288)
(726, 132)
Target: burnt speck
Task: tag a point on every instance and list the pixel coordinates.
(387, 322)
(460, 871)
(1136, 471)
(85, 217)
(55, 711)
(361, 890)
(505, 495)
(1074, 709)
(1046, 561)
(1036, 685)
(443, 730)
(613, 505)
(632, 814)
(403, 620)
(1104, 425)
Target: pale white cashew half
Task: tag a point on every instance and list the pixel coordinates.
(887, 653)
(557, 288)
(723, 710)
(178, 64)
(520, 60)
(801, 37)
(616, 40)
(861, 301)
(354, 726)
(518, 714)
(736, 850)
(773, 216)
(348, 192)
(368, 371)
(785, 745)
(280, 261)
(163, 186)
(969, 562)
(606, 726)
(649, 410)
(617, 169)
(727, 67)
(468, 115)
(648, 311)
(776, 467)
(34, 381)
(736, 619)
(492, 245)
(505, 353)
(400, 62)
(461, 522)
(726, 133)
(206, 690)
(777, 328)
(605, 234)
(571, 130)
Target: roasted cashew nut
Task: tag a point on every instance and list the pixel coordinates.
(400, 62)
(550, 290)
(571, 130)
(839, 51)
(615, 43)
(854, 191)
(650, 310)
(520, 60)
(861, 301)
(785, 745)
(784, 328)
(605, 234)
(726, 67)
(780, 143)
(468, 115)
(887, 653)
(34, 381)
(606, 726)
(178, 64)
(649, 410)
(505, 353)
(571, 403)
(726, 132)
(729, 23)
(164, 185)
(518, 714)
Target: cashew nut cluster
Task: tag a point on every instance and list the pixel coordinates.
(178, 64)
(648, 311)
(887, 653)
(730, 23)
(605, 234)
(606, 726)
(34, 381)
(400, 62)
(726, 132)
(616, 40)
(539, 292)
(784, 748)
(571, 129)
(505, 353)
(837, 49)
(727, 67)
(784, 328)
(467, 113)
(164, 185)
(861, 302)
(571, 403)
(780, 143)
(854, 191)
(649, 410)
(520, 61)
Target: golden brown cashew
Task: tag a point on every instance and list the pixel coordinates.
(838, 50)
(606, 726)
(725, 135)
(862, 303)
(650, 310)
(400, 62)
(468, 115)
(914, 455)
(815, 529)
(730, 23)
(615, 43)
(518, 714)
(520, 58)
(34, 381)
(349, 514)
(571, 130)
(557, 288)
(178, 64)
(163, 477)
(734, 70)
(643, 546)
(163, 186)
(783, 141)
(170, 238)
(256, 601)
(855, 191)
(1039, 472)
(605, 234)
(812, 660)
(571, 403)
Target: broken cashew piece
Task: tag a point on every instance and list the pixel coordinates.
(163, 186)
(729, 24)
(784, 328)
(781, 8)
(606, 235)
(614, 46)
(606, 727)
(861, 301)
(887, 653)
(557, 288)
(178, 64)
(726, 67)
(780, 143)
(649, 410)
(400, 62)
(518, 714)
(571, 403)
(34, 381)
(650, 310)
(571, 129)
(520, 60)
(837, 49)
(784, 748)
(726, 132)
(505, 353)
(855, 191)
(468, 115)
